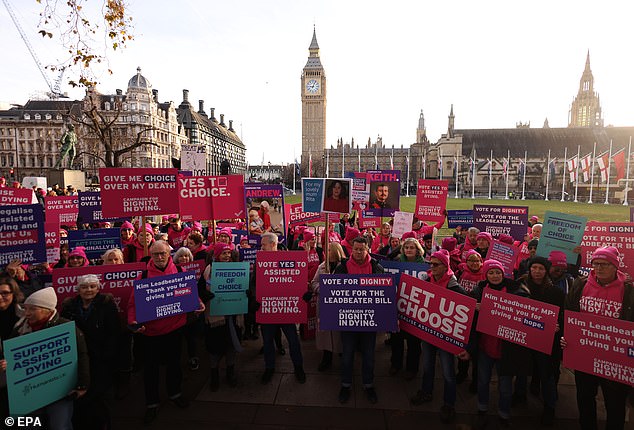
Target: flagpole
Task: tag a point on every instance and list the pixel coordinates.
(490, 172)
(594, 151)
(359, 163)
(376, 156)
(457, 166)
(563, 175)
(547, 176)
(577, 173)
(524, 177)
(327, 163)
(407, 186)
(474, 171)
(508, 167)
(294, 169)
(424, 168)
(607, 186)
(439, 164)
(343, 160)
(627, 173)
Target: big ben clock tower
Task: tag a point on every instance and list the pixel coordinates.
(313, 106)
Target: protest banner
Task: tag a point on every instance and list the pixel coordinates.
(296, 216)
(22, 234)
(337, 195)
(282, 280)
(417, 270)
(96, 241)
(433, 314)
(369, 222)
(561, 232)
(41, 367)
(62, 209)
(194, 159)
(431, 199)
(599, 346)
(360, 192)
(165, 296)
(402, 223)
(51, 236)
(505, 254)
(16, 196)
(127, 192)
(248, 254)
(617, 234)
(115, 279)
(357, 302)
(229, 282)
(196, 266)
(89, 203)
(462, 218)
(385, 192)
(211, 197)
(312, 194)
(516, 319)
(497, 220)
(271, 212)
(332, 217)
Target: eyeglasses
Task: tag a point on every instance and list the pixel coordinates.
(160, 254)
(5, 293)
(173, 220)
(435, 264)
(600, 265)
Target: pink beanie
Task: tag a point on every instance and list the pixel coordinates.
(351, 234)
(472, 252)
(558, 259)
(505, 238)
(492, 264)
(79, 251)
(443, 256)
(127, 225)
(197, 226)
(485, 235)
(226, 231)
(243, 238)
(148, 229)
(408, 235)
(219, 248)
(449, 243)
(534, 218)
(609, 253)
(308, 235)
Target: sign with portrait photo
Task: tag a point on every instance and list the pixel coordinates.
(385, 191)
(264, 206)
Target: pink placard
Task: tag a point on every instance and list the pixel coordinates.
(296, 216)
(51, 235)
(116, 279)
(333, 217)
(516, 319)
(505, 254)
(600, 346)
(196, 266)
(436, 315)
(16, 196)
(211, 197)
(281, 279)
(129, 192)
(368, 222)
(431, 199)
(62, 209)
(618, 234)
(194, 195)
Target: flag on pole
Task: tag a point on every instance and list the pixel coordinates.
(603, 160)
(619, 163)
(552, 168)
(376, 157)
(521, 167)
(505, 166)
(310, 165)
(297, 168)
(359, 159)
(586, 164)
(327, 164)
(572, 168)
(392, 160)
(439, 167)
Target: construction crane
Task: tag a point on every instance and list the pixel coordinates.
(55, 91)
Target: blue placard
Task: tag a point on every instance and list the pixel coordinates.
(229, 282)
(165, 296)
(312, 194)
(22, 234)
(463, 218)
(357, 303)
(417, 270)
(89, 203)
(41, 367)
(95, 241)
(561, 232)
(248, 254)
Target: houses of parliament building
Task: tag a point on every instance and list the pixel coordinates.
(463, 150)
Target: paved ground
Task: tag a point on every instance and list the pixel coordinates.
(285, 404)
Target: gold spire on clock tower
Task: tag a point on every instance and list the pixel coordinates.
(313, 91)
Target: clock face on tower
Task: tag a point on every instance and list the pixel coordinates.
(312, 87)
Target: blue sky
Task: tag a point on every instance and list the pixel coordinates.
(498, 62)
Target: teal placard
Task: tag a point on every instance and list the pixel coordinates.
(229, 282)
(41, 367)
(561, 232)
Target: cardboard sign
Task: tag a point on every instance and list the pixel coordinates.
(462, 218)
(41, 367)
(369, 222)
(229, 282)
(96, 241)
(51, 236)
(505, 254)
(435, 315)
(431, 199)
(254, 197)
(127, 192)
(599, 346)
(357, 302)
(312, 194)
(194, 159)
(561, 232)
(360, 192)
(296, 216)
(417, 270)
(16, 196)
(62, 209)
(115, 279)
(196, 266)
(165, 296)
(248, 254)
(22, 234)
(497, 220)
(90, 208)
(326, 195)
(402, 223)
(617, 234)
(281, 280)
(385, 192)
(523, 321)
(211, 197)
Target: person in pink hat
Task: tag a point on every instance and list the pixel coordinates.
(127, 234)
(381, 239)
(607, 292)
(135, 251)
(77, 257)
(346, 243)
(177, 232)
(484, 241)
(559, 271)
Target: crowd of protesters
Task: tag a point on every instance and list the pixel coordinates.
(109, 348)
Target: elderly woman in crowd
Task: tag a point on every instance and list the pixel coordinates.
(182, 256)
(112, 256)
(194, 243)
(95, 314)
(10, 312)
